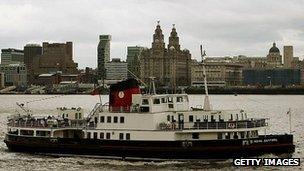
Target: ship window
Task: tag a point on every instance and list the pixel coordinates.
(102, 119)
(242, 134)
(219, 136)
(108, 136)
(163, 100)
(195, 135)
(231, 117)
(145, 101)
(122, 119)
(179, 99)
(242, 116)
(95, 135)
(156, 101)
(190, 118)
(121, 136)
(168, 118)
(76, 115)
(88, 135)
(79, 115)
(115, 119)
(170, 99)
(235, 136)
(212, 118)
(127, 136)
(96, 120)
(170, 105)
(237, 117)
(109, 119)
(101, 135)
(220, 118)
(248, 134)
(227, 135)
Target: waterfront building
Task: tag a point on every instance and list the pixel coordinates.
(219, 74)
(103, 54)
(51, 58)
(274, 58)
(170, 66)
(133, 61)
(116, 70)
(12, 56)
(31, 60)
(15, 74)
(2, 78)
(270, 77)
(288, 56)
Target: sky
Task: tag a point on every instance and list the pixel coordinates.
(224, 27)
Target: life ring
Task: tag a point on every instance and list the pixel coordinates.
(231, 125)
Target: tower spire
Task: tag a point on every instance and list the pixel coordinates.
(173, 39)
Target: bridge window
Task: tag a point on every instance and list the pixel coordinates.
(127, 136)
(170, 99)
(88, 135)
(102, 119)
(122, 119)
(145, 101)
(179, 99)
(190, 118)
(163, 100)
(101, 135)
(115, 119)
(156, 101)
(109, 119)
(121, 136)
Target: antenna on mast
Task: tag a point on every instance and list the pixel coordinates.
(207, 105)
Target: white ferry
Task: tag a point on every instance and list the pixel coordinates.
(145, 126)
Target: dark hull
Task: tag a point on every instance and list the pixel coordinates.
(201, 149)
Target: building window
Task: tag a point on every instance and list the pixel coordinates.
(122, 119)
(115, 119)
(101, 135)
(108, 135)
(190, 118)
(121, 136)
(109, 119)
(127, 136)
(102, 119)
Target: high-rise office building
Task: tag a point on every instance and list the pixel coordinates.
(103, 54)
(288, 56)
(133, 55)
(31, 54)
(12, 56)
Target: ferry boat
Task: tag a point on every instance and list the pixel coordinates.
(145, 126)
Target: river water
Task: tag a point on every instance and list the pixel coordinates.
(274, 107)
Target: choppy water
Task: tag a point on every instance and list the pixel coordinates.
(271, 106)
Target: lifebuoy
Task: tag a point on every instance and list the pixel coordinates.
(231, 125)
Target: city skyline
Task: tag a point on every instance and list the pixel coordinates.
(238, 28)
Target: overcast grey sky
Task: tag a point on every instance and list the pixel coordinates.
(226, 27)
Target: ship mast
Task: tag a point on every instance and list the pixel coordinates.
(207, 105)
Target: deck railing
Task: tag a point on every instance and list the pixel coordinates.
(253, 123)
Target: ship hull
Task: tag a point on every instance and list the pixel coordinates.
(199, 149)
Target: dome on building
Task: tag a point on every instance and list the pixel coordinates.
(274, 49)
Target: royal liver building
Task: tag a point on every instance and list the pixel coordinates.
(170, 66)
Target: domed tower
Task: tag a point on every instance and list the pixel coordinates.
(274, 59)
(173, 40)
(158, 38)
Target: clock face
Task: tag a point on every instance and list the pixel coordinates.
(121, 94)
